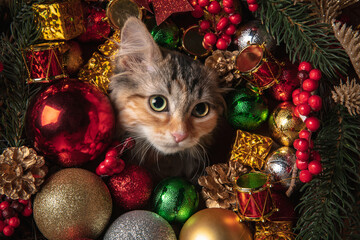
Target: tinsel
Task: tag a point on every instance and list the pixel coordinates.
(348, 94)
(274, 230)
(217, 185)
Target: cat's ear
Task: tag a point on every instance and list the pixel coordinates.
(137, 45)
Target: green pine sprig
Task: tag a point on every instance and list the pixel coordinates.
(305, 38)
(329, 199)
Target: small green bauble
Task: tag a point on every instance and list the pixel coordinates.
(166, 35)
(175, 199)
(246, 109)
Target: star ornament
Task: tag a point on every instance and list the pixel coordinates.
(164, 8)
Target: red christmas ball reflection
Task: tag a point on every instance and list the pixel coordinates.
(288, 81)
(71, 122)
(131, 189)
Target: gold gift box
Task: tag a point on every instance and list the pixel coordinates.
(61, 20)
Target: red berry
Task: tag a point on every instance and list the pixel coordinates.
(198, 12)
(214, 7)
(14, 222)
(296, 92)
(304, 156)
(8, 231)
(315, 74)
(235, 18)
(23, 202)
(229, 10)
(305, 176)
(227, 38)
(204, 25)
(27, 211)
(251, 1)
(312, 123)
(253, 7)
(228, 3)
(101, 169)
(111, 153)
(110, 162)
(4, 205)
(315, 167)
(301, 164)
(304, 134)
(296, 100)
(210, 39)
(304, 109)
(305, 66)
(230, 30)
(203, 3)
(221, 44)
(310, 85)
(304, 96)
(223, 22)
(301, 144)
(315, 102)
(315, 156)
(2, 225)
(296, 112)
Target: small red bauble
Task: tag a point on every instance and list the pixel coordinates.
(312, 123)
(304, 134)
(4, 205)
(229, 10)
(315, 167)
(235, 18)
(110, 162)
(305, 176)
(14, 222)
(131, 189)
(288, 81)
(301, 164)
(253, 7)
(8, 231)
(315, 74)
(214, 7)
(27, 211)
(315, 155)
(305, 66)
(228, 3)
(310, 85)
(101, 169)
(198, 12)
(222, 23)
(210, 39)
(204, 25)
(301, 144)
(304, 156)
(230, 30)
(203, 3)
(221, 44)
(304, 109)
(315, 102)
(304, 96)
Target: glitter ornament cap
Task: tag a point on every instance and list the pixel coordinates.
(140, 224)
(118, 11)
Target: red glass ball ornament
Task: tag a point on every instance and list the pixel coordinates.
(230, 30)
(312, 123)
(198, 12)
(315, 167)
(288, 81)
(301, 164)
(203, 3)
(221, 44)
(315, 102)
(315, 74)
(204, 25)
(310, 85)
(304, 96)
(210, 39)
(305, 176)
(301, 144)
(315, 156)
(131, 189)
(214, 7)
(304, 134)
(71, 122)
(222, 23)
(304, 156)
(8, 231)
(304, 109)
(253, 7)
(228, 3)
(229, 10)
(235, 18)
(306, 66)
(97, 28)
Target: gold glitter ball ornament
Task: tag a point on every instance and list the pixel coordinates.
(284, 125)
(22, 172)
(74, 203)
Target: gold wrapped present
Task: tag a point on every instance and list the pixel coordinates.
(60, 20)
(110, 46)
(275, 230)
(250, 149)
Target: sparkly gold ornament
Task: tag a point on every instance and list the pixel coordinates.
(284, 125)
(215, 224)
(250, 149)
(274, 230)
(22, 172)
(74, 203)
(60, 20)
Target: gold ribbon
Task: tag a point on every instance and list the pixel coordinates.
(277, 230)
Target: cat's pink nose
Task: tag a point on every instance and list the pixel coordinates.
(179, 137)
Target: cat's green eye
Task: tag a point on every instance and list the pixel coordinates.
(201, 110)
(158, 103)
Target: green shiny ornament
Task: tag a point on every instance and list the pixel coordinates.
(166, 35)
(246, 109)
(175, 199)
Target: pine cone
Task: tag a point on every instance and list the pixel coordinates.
(218, 184)
(348, 94)
(22, 172)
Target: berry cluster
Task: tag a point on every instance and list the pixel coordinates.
(307, 160)
(9, 217)
(112, 163)
(217, 32)
(252, 5)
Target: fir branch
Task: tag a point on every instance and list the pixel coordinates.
(305, 39)
(329, 198)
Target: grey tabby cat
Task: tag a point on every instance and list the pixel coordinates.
(169, 103)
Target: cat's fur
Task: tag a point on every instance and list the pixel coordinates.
(173, 141)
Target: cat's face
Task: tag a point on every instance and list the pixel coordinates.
(171, 102)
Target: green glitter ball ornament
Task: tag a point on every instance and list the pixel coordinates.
(175, 199)
(166, 35)
(246, 109)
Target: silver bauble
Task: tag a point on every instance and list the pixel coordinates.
(140, 224)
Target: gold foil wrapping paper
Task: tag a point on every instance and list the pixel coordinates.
(277, 230)
(60, 20)
(250, 149)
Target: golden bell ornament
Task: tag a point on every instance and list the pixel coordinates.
(215, 224)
